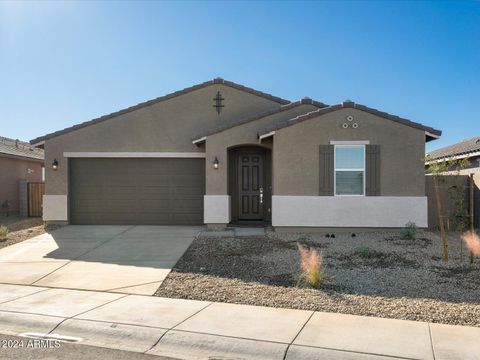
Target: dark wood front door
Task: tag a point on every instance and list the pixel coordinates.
(251, 185)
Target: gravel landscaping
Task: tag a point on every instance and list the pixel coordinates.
(21, 229)
(373, 274)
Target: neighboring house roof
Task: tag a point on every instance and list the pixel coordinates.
(221, 81)
(430, 132)
(304, 101)
(466, 147)
(19, 148)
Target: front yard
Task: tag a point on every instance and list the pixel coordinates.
(20, 229)
(373, 274)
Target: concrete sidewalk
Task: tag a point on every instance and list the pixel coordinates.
(190, 329)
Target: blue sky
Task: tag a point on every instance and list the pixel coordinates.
(62, 63)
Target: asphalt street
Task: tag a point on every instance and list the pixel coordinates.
(21, 348)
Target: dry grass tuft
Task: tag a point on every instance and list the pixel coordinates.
(311, 264)
(3, 232)
(472, 240)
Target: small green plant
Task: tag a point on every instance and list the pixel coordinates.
(365, 252)
(3, 232)
(311, 265)
(304, 240)
(409, 231)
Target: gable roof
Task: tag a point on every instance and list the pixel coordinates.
(39, 140)
(430, 132)
(462, 148)
(305, 101)
(19, 148)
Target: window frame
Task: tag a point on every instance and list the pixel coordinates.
(356, 145)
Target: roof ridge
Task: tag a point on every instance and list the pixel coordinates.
(168, 96)
(248, 119)
(351, 104)
(4, 138)
(18, 148)
(308, 100)
(458, 148)
(298, 118)
(17, 144)
(303, 101)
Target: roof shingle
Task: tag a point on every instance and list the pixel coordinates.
(20, 148)
(461, 148)
(304, 101)
(431, 132)
(159, 99)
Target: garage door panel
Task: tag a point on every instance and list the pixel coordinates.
(117, 192)
(158, 192)
(155, 180)
(188, 191)
(137, 191)
(156, 205)
(100, 202)
(188, 204)
(185, 181)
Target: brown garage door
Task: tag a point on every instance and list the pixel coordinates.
(137, 191)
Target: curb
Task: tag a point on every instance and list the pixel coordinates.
(196, 346)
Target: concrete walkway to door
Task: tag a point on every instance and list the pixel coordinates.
(125, 259)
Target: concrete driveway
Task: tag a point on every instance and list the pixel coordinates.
(125, 259)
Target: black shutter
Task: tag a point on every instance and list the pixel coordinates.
(372, 170)
(326, 170)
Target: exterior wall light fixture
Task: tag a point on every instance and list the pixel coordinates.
(215, 163)
(55, 164)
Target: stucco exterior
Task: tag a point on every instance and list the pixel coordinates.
(167, 126)
(187, 125)
(14, 169)
(217, 145)
(295, 154)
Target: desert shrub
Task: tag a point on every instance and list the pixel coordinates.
(311, 266)
(409, 231)
(365, 252)
(306, 240)
(3, 232)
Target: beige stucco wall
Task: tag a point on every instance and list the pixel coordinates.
(167, 126)
(296, 152)
(246, 134)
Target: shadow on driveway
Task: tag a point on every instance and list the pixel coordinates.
(127, 259)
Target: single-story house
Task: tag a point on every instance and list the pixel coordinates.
(18, 161)
(467, 149)
(221, 153)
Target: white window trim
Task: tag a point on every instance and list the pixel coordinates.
(351, 144)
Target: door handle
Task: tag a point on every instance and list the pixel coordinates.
(261, 195)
